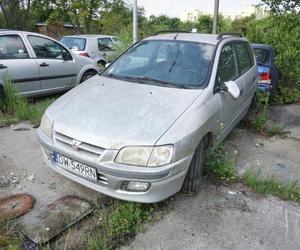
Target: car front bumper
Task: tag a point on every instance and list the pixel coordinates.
(164, 181)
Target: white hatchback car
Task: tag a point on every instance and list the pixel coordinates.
(97, 47)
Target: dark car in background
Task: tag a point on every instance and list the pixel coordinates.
(268, 72)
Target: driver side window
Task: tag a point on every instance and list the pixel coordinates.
(227, 67)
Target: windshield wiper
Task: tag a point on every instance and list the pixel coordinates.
(148, 80)
(159, 82)
(111, 75)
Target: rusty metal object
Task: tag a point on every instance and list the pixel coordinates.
(15, 205)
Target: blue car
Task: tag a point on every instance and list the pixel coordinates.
(268, 72)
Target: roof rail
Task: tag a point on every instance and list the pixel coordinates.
(171, 31)
(220, 36)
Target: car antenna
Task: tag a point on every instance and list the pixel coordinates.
(175, 37)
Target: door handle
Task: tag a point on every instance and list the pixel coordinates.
(2, 66)
(44, 64)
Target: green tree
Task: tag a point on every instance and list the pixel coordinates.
(15, 13)
(280, 7)
(204, 24)
(240, 25)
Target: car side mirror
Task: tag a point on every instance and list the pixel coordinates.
(106, 65)
(233, 89)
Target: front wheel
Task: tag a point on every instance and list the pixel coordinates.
(194, 175)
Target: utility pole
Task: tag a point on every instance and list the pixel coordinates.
(135, 25)
(216, 14)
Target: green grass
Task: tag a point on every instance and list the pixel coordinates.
(285, 191)
(219, 165)
(97, 243)
(10, 238)
(17, 108)
(113, 223)
(276, 129)
(126, 218)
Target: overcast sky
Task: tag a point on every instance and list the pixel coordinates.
(173, 8)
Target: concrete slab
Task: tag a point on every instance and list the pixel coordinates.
(216, 219)
(267, 156)
(271, 156)
(54, 218)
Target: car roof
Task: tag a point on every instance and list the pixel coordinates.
(261, 46)
(20, 32)
(193, 37)
(90, 35)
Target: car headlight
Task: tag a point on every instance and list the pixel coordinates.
(145, 156)
(46, 126)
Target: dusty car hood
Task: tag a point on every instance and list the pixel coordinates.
(112, 114)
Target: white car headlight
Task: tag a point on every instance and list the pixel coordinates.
(145, 156)
(46, 126)
(160, 156)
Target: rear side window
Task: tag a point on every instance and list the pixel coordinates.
(74, 43)
(227, 67)
(12, 47)
(106, 41)
(262, 55)
(244, 56)
(103, 47)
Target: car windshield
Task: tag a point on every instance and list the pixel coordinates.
(74, 43)
(165, 63)
(262, 55)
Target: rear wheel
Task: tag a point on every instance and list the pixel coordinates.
(88, 75)
(194, 175)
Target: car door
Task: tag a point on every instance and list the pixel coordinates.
(58, 69)
(228, 71)
(17, 65)
(247, 70)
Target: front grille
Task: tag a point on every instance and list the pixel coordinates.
(102, 178)
(86, 148)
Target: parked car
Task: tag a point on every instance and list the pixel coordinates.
(39, 65)
(97, 47)
(140, 130)
(268, 72)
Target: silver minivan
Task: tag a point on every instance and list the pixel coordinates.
(139, 131)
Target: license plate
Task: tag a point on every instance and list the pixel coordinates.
(75, 167)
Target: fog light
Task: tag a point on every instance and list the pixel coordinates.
(134, 186)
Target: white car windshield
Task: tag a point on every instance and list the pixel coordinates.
(170, 63)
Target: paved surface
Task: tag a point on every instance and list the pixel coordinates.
(215, 219)
(271, 156)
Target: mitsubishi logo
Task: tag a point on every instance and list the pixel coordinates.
(76, 144)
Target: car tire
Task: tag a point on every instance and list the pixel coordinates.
(2, 96)
(193, 176)
(87, 75)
